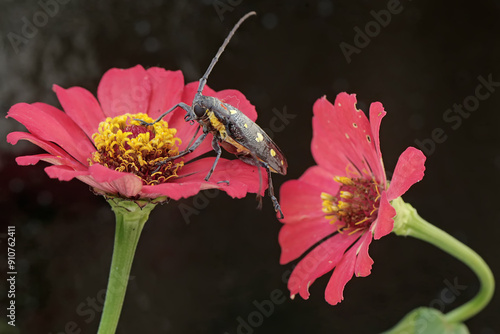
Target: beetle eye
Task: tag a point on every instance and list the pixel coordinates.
(199, 111)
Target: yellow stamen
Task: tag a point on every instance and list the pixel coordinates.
(376, 189)
(355, 230)
(124, 144)
(344, 180)
(332, 219)
(327, 209)
(327, 197)
(362, 221)
(346, 194)
(343, 205)
(351, 171)
(354, 207)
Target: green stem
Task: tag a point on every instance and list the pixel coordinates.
(408, 222)
(130, 219)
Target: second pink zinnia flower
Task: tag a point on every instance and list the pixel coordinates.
(343, 202)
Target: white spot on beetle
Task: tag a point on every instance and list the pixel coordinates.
(232, 111)
(273, 152)
(259, 138)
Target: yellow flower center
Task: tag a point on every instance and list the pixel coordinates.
(123, 144)
(354, 207)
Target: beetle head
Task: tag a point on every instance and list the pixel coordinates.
(199, 111)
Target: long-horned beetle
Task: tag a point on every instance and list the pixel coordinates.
(231, 129)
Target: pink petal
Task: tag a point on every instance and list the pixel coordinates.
(190, 91)
(364, 262)
(242, 178)
(318, 262)
(187, 97)
(102, 188)
(377, 112)
(185, 130)
(82, 107)
(52, 125)
(237, 99)
(295, 239)
(300, 201)
(321, 178)
(34, 159)
(342, 135)
(53, 149)
(334, 292)
(64, 173)
(327, 146)
(167, 88)
(84, 143)
(174, 191)
(124, 184)
(385, 222)
(409, 170)
(124, 91)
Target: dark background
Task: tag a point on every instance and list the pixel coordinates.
(200, 277)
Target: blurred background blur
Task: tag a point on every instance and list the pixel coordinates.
(205, 275)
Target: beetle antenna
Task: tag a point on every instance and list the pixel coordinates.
(204, 78)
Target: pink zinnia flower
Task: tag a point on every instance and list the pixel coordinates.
(344, 201)
(98, 141)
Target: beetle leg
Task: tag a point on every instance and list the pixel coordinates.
(192, 139)
(252, 160)
(218, 150)
(259, 197)
(183, 153)
(182, 105)
(277, 206)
